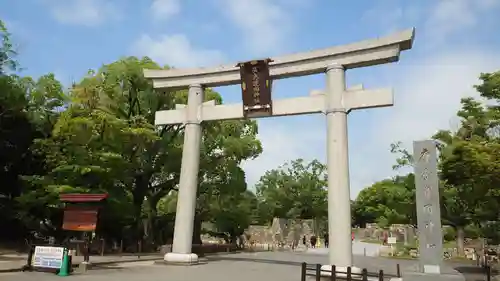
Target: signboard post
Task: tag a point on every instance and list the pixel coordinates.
(256, 88)
(391, 241)
(81, 214)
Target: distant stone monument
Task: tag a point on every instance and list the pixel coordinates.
(428, 207)
(430, 233)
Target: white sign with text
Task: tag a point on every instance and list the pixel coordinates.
(48, 257)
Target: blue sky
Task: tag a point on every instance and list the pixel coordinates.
(455, 41)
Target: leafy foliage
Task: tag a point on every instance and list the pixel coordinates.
(295, 190)
(99, 136)
(387, 202)
(469, 163)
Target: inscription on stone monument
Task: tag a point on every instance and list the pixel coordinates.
(256, 88)
(428, 208)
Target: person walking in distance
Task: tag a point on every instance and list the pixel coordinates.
(326, 240)
(313, 241)
(304, 241)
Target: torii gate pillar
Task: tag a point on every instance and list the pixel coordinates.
(336, 102)
(339, 200)
(186, 200)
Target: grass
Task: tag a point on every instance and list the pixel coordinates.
(450, 244)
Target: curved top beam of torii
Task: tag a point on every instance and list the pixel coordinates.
(360, 54)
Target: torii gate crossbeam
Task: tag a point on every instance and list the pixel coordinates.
(335, 102)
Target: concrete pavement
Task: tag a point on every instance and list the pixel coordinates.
(358, 249)
(276, 266)
(15, 262)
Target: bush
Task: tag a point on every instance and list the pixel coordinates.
(449, 234)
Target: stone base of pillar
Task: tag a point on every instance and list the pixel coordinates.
(180, 259)
(83, 267)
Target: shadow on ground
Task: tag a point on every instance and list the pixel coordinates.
(248, 259)
(309, 271)
(11, 258)
(470, 269)
(106, 266)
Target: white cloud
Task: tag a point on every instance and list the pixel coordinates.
(390, 15)
(19, 33)
(443, 18)
(266, 24)
(83, 12)
(428, 91)
(176, 50)
(165, 9)
(427, 98)
(451, 16)
(427, 87)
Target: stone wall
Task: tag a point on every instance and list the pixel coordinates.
(403, 233)
(409, 235)
(282, 232)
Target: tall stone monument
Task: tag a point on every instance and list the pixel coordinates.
(428, 217)
(255, 78)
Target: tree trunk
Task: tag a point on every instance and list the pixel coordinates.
(197, 230)
(460, 240)
(152, 214)
(234, 240)
(138, 194)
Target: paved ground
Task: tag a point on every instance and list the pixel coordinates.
(13, 262)
(275, 266)
(358, 248)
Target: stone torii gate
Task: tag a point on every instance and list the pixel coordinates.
(335, 102)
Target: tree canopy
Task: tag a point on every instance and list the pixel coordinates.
(295, 190)
(98, 136)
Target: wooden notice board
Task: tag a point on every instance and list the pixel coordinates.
(84, 219)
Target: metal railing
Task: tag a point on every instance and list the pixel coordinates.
(336, 275)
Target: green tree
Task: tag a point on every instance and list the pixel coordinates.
(7, 52)
(232, 215)
(390, 201)
(297, 190)
(106, 141)
(226, 145)
(28, 110)
(468, 164)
